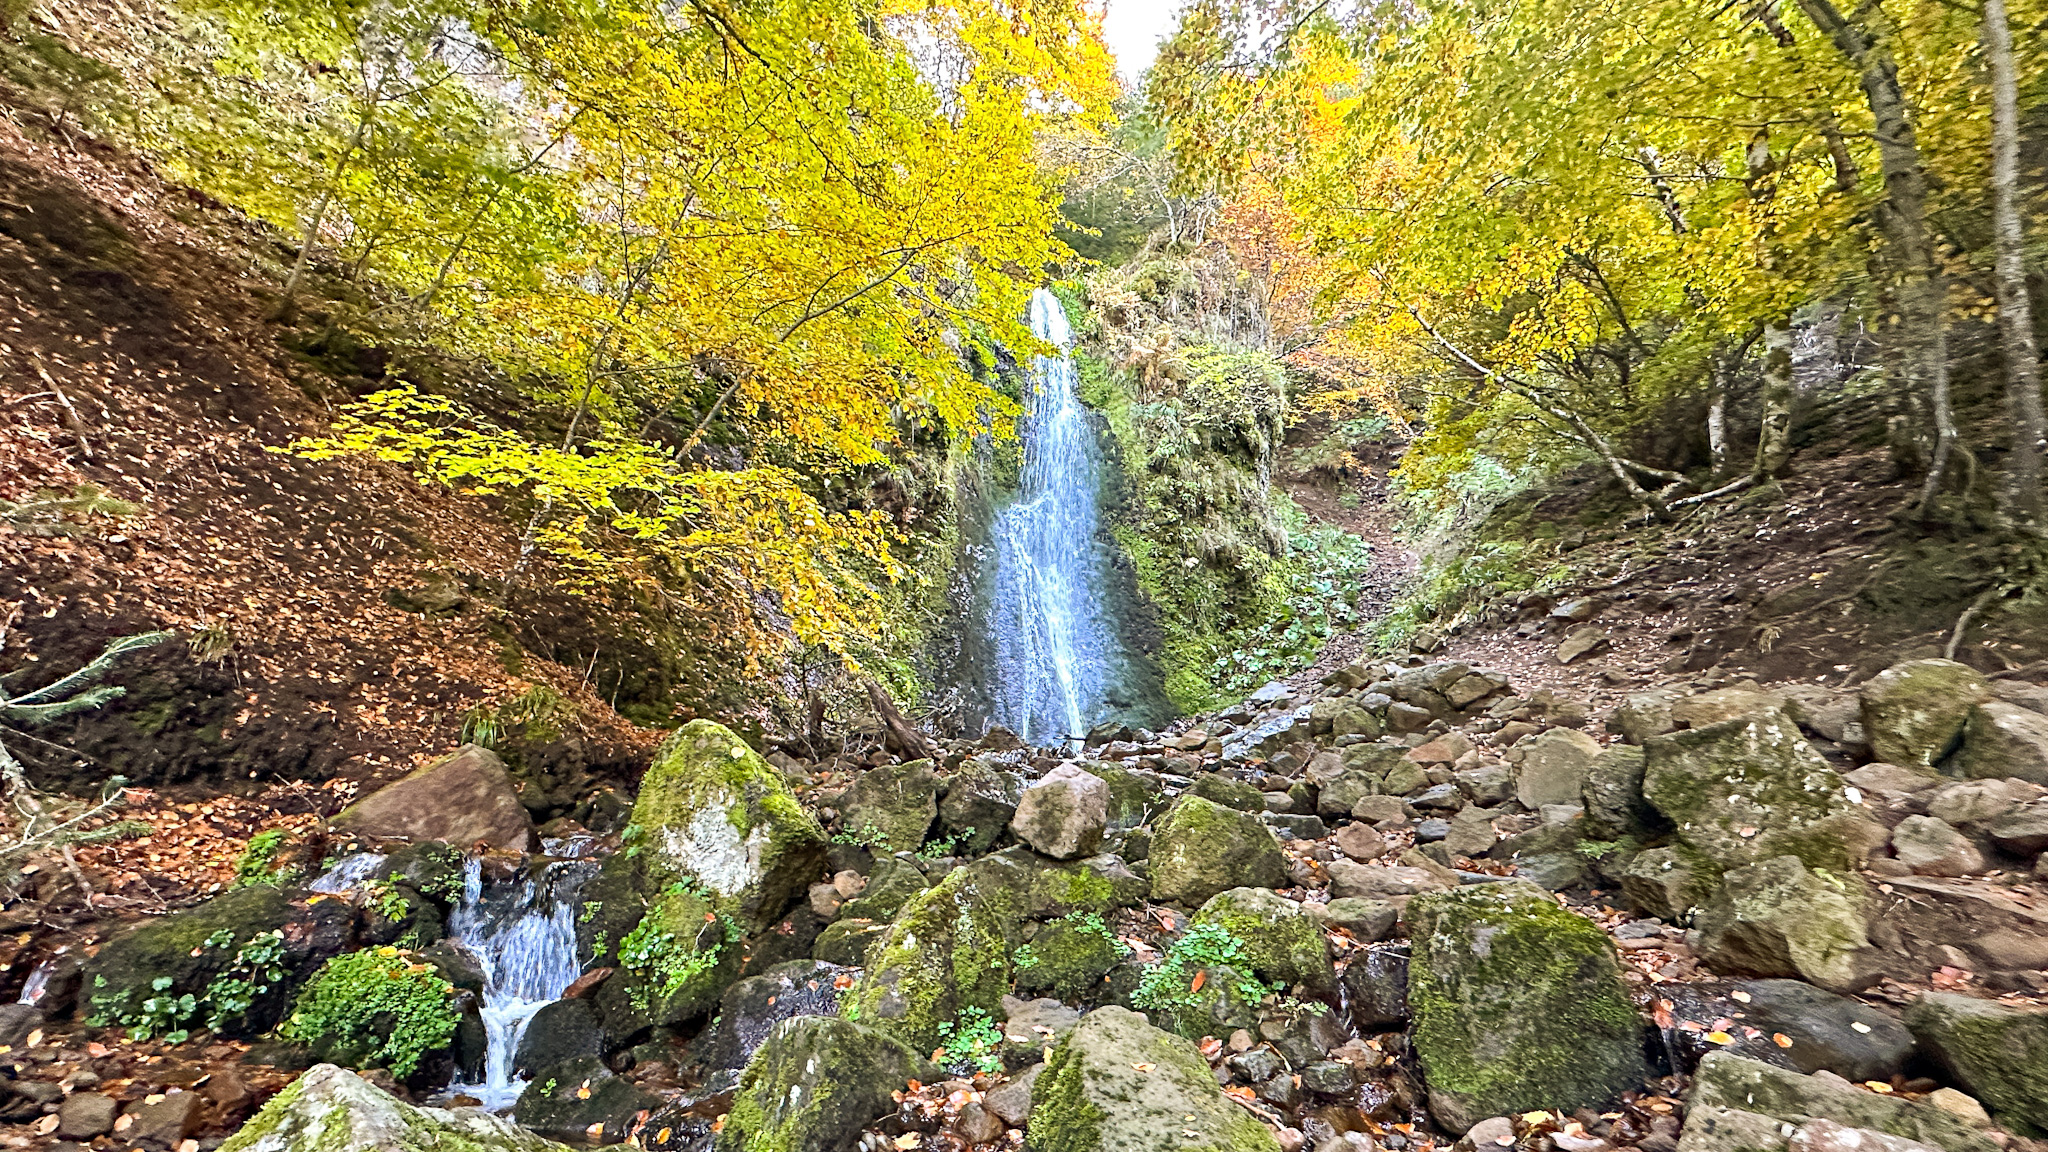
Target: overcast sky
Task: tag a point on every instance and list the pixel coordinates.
(1133, 29)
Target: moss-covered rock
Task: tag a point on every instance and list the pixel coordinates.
(1282, 944)
(1716, 1129)
(712, 812)
(673, 966)
(1518, 1005)
(1039, 888)
(1117, 1084)
(2005, 741)
(949, 949)
(1914, 712)
(1726, 1081)
(1998, 1051)
(1228, 792)
(890, 886)
(1752, 788)
(848, 942)
(1132, 797)
(1613, 797)
(815, 1083)
(1201, 848)
(1068, 958)
(892, 807)
(330, 1108)
(1778, 918)
(1670, 882)
(980, 799)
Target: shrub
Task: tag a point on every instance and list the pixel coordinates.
(375, 1008)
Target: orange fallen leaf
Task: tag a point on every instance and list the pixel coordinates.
(1781, 1040)
(1146, 1068)
(1719, 1037)
(909, 1140)
(1200, 979)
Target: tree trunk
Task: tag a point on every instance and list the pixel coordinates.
(1921, 289)
(1774, 433)
(2015, 312)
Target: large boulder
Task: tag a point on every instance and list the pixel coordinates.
(1064, 813)
(1778, 918)
(1796, 1026)
(1998, 1051)
(713, 815)
(1670, 883)
(980, 799)
(892, 807)
(815, 1083)
(1554, 767)
(750, 1009)
(2004, 741)
(1931, 848)
(464, 799)
(1752, 788)
(1731, 1082)
(1117, 1084)
(1035, 888)
(331, 1107)
(1518, 1005)
(1200, 848)
(579, 1097)
(1613, 797)
(948, 950)
(1281, 942)
(1914, 713)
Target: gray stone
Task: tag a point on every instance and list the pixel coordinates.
(1613, 796)
(1643, 715)
(1998, 1051)
(1376, 988)
(84, 1115)
(1361, 842)
(1011, 1100)
(1201, 848)
(463, 799)
(1489, 786)
(1891, 782)
(1914, 713)
(1819, 1030)
(892, 806)
(1368, 921)
(1713, 1128)
(980, 800)
(1722, 704)
(570, 1097)
(815, 1083)
(1063, 815)
(2005, 741)
(1932, 848)
(2022, 831)
(1554, 767)
(1584, 642)
(1976, 803)
(1725, 1081)
(751, 1009)
(1378, 882)
(1777, 918)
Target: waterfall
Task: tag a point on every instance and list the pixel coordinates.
(1055, 645)
(523, 935)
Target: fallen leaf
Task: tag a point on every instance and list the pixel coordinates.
(35, 1037)
(1146, 1068)
(1200, 979)
(909, 1140)
(46, 1125)
(661, 1137)
(1858, 1025)
(1878, 1086)
(595, 1131)
(1781, 1040)
(1739, 995)
(583, 1090)
(1718, 1037)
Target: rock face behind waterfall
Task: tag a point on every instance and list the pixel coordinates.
(716, 815)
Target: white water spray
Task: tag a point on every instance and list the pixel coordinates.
(1054, 642)
(525, 941)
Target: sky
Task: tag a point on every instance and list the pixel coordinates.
(1133, 29)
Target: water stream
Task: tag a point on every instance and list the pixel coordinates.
(1056, 645)
(523, 934)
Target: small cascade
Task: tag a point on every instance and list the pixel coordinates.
(523, 935)
(1056, 646)
(349, 874)
(38, 981)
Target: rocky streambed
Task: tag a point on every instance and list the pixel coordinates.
(1406, 909)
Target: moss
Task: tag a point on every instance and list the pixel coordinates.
(1518, 1003)
(1201, 848)
(1070, 956)
(375, 1008)
(1281, 944)
(948, 950)
(814, 1084)
(1063, 1119)
(1998, 1051)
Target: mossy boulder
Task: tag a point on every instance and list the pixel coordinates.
(848, 942)
(330, 1107)
(949, 949)
(1778, 918)
(712, 812)
(1612, 797)
(1038, 888)
(1117, 1084)
(891, 885)
(673, 966)
(1229, 793)
(815, 1083)
(1998, 1051)
(1132, 797)
(2005, 742)
(892, 807)
(1201, 848)
(1281, 942)
(980, 799)
(1731, 1082)
(1518, 1005)
(569, 1098)
(1914, 713)
(1752, 788)
(1670, 882)
(1068, 959)
(1553, 767)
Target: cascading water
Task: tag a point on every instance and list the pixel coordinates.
(1056, 646)
(523, 935)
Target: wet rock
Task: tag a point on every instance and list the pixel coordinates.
(1822, 1031)
(1281, 942)
(1931, 848)
(1998, 1051)
(977, 1125)
(815, 1082)
(570, 1098)
(714, 813)
(1376, 988)
(464, 799)
(751, 1009)
(1750, 789)
(1778, 918)
(1116, 1083)
(1328, 1078)
(892, 806)
(1554, 767)
(1730, 1082)
(1518, 1005)
(980, 800)
(559, 1031)
(2003, 741)
(1200, 848)
(1914, 713)
(331, 1107)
